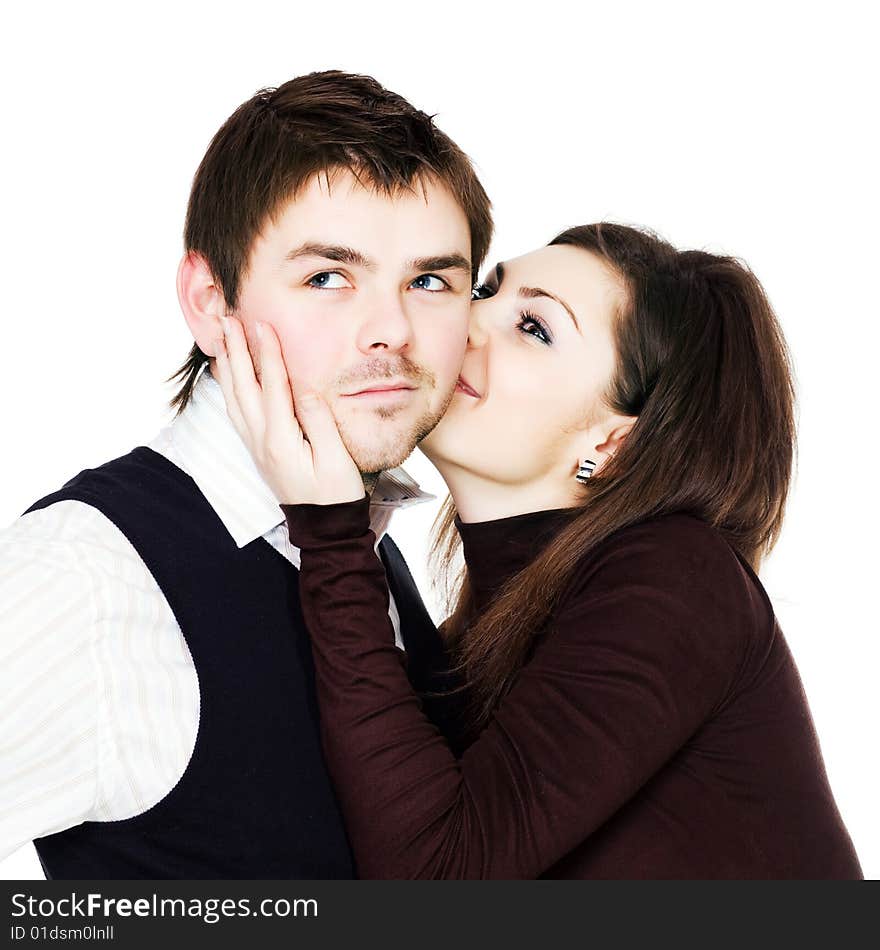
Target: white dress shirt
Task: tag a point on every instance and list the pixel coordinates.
(99, 699)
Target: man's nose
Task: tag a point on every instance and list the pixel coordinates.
(386, 325)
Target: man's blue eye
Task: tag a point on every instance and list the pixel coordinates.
(328, 280)
(430, 282)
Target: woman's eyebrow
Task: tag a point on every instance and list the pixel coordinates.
(539, 292)
(532, 292)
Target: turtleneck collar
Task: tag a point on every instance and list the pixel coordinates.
(496, 550)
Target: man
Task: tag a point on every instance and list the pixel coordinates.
(158, 713)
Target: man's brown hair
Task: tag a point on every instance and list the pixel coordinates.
(280, 138)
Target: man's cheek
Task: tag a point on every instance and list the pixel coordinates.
(453, 359)
(303, 365)
(448, 347)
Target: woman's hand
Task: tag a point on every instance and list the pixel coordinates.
(294, 440)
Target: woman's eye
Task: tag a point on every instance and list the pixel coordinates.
(430, 282)
(328, 280)
(481, 292)
(533, 327)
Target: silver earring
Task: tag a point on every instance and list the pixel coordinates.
(585, 470)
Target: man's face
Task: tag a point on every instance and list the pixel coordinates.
(364, 291)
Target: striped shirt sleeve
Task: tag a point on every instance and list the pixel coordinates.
(50, 740)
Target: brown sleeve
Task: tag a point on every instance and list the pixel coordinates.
(634, 663)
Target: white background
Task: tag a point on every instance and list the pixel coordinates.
(743, 128)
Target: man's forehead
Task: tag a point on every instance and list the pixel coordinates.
(345, 181)
(359, 224)
(344, 197)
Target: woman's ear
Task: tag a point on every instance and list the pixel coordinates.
(201, 301)
(614, 437)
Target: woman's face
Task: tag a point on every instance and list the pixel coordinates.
(540, 357)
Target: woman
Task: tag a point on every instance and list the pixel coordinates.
(618, 453)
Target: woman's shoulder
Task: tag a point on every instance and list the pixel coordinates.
(680, 556)
(676, 525)
(678, 539)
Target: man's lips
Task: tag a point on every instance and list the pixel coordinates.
(463, 386)
(385, 387)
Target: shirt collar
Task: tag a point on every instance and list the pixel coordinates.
(212, 453)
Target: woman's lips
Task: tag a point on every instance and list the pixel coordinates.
(462, 386)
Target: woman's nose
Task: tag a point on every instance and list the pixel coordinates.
(478, 333)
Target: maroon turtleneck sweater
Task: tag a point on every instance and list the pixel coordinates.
(658, 730)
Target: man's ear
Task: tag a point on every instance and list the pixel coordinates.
(201, 301)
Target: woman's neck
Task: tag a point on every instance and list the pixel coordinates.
(478, 498)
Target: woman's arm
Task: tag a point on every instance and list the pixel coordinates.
(635, 662)
(644, 650)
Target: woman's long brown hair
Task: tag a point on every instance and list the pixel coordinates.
(702, 363)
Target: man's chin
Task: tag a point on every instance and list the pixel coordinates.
(374, 459)
(379, 450)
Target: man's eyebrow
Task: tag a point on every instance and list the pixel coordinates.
(331, 252)
(532, 292)
(348, 255)
(451, 261)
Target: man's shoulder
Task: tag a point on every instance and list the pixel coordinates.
(141, 487)
(73, 526)
(69, 534)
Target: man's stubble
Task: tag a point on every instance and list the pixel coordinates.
(381, 455)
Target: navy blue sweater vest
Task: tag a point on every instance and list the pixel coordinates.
(255, 800)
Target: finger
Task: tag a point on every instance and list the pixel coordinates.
(223, 375)
(320, 428)
(282, 435)
(277, 397)
(334, 469)
(244, 379)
